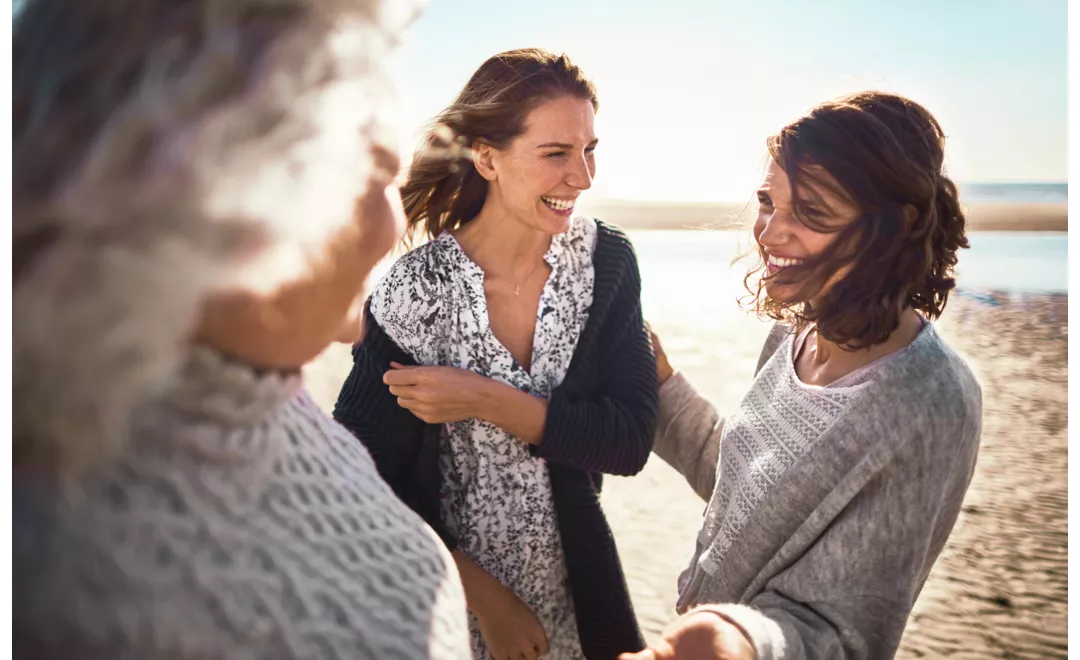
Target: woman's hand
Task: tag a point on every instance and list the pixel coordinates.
(699, 635)
(510, 629)
(663, 367)
(437, 395)
(440, 395)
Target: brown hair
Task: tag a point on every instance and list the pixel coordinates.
(884, 154)
(442, 194)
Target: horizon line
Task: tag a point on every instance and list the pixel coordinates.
(750, 196)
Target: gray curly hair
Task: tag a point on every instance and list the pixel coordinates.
(166, 151)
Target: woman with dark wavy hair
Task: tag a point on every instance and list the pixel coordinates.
(834, 485)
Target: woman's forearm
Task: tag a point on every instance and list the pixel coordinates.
(476, 582)
(520, 414)
(688, 434)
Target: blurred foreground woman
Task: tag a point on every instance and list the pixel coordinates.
(201, 190)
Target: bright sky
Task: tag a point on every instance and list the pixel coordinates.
(689, 89)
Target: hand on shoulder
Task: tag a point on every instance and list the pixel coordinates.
(664, 370)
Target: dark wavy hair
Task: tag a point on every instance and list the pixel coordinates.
(884, 154)
(441, 191)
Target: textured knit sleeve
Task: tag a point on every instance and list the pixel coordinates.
(610, 428)
(688, 434)
(392, 435)
(850, 594)
(689, 428)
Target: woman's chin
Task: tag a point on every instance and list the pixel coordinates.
(351, 329)
(554, 223)
(784, 294)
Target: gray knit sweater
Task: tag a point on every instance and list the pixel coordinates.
(830, 505)
(242, 522)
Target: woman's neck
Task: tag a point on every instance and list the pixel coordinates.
(501, 244)
(822, 361)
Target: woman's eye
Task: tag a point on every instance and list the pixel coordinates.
(555, 154)
(764, 200)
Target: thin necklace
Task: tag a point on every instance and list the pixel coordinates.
(517, 285)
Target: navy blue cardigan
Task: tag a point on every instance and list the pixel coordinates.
(600, 419)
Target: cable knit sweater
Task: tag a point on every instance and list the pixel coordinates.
(242, 522)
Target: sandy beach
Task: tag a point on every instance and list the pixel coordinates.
(1000, 588)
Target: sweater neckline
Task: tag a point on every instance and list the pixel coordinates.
(218, 409)
(861, 377)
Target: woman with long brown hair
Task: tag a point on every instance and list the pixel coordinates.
(834, 485)
(505, 364)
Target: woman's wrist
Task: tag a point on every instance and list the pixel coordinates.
(664, 372)
(487, 398)
(473, 581)
(518, 413)
(483, 592)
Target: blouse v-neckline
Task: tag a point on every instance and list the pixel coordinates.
(476, 277)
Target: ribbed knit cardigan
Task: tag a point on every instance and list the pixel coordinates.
(601, 418)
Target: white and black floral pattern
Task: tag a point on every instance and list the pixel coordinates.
(496, 495)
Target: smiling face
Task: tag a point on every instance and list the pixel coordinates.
(538, 177)
(795, 232)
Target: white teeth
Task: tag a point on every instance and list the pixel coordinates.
(559, 204)
(782, 262)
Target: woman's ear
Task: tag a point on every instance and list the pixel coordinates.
(911, 214)
(484, 159)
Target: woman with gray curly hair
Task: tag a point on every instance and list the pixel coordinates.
(195, 213)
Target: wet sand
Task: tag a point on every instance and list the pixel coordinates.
(999, 589)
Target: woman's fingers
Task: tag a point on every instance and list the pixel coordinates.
(407, 391)
(419, 409)
(417, 393)
(401, 377)
(411, 403)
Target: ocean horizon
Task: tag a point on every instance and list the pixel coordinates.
(981, 192)
(1016, 192)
